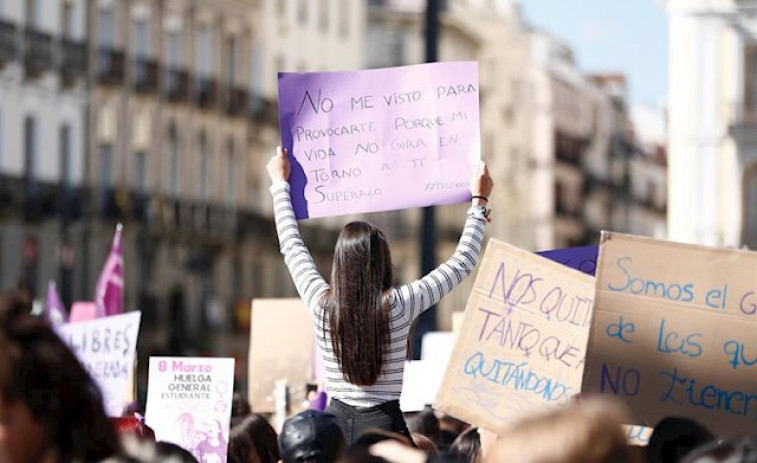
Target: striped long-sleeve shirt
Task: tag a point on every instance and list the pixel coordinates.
(406, 302)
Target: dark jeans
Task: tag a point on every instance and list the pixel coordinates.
(355, 420)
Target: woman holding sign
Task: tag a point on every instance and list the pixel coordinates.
(362, 322)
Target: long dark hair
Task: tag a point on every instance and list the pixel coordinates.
(253, 440)
(355, 306)
(39, 371)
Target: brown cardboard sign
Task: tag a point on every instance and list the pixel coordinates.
(281, 347)
(522, 342)
(674, 332)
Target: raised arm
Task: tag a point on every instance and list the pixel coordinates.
(309, 283)
(418, 296)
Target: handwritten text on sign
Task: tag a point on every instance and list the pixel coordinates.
(189, 404)
(380, 139)
(523, 341)
(106, 348)
(673, 332)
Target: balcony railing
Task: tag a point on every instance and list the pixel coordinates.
(110, 66)
(73, 61)
(235, 101)
(176, 86)
(264, 111)
(206, 93)
(145, 75)
(8, 42)
(38, 53)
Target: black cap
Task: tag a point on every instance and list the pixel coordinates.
(311, 435)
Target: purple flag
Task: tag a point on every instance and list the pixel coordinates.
(581, 258)
(55, 311)
(109, 293)
(380, 139)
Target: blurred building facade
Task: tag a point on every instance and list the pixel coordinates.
(43, 98)
(712, 147)
(582, 147)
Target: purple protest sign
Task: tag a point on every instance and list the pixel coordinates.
(381, 139)
(581, 258)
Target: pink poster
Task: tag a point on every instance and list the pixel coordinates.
(189, 404)
(380, 139)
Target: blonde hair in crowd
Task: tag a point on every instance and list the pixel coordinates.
(587, 432)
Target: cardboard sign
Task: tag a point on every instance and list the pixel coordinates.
(581, 258)
(673, 332)
(522, 344)
(281, 348)
(106, 348)
(380, 139)
(189, 404)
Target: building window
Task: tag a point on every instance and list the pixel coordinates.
(302, 11)
(106, 164)
(32, 13)
(231, 60)
(65, 156)
(750, 206)
(140, 159)
(202, 168)
(67, 20)
(173, 49)
(173, 161)
(230, 174)
(106, 26)
(344, 19)
(30, 152)
(141, 38)
(203, 52)
(323, 15)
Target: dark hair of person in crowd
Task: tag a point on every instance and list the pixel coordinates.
(240, 408)
(133, 426)
(674, 437)
(51, 407)
(449, 430)
(425, 423)
(735, 450)
(467, 446)
(356, 302)
(586, 432)
(166, 451)
(253, 440)
(424, 443)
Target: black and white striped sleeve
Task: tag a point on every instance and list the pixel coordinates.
(421, 294)
(309, 283)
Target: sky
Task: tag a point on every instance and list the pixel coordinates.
(628, 36)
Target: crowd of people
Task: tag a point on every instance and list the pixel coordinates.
(51, 411)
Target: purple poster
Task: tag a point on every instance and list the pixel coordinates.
(381, 139)
(581, 258)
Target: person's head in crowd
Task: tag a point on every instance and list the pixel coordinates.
(355, 305)
(587, 432)
(424, 443)
(467, 446)
(425, 423)
(449, 429)
(49, 406)
(166, 451)
(240, 409)
(736, 450)
(373, 436)
(253, 440)
(133, 426)
(311, 436)
(674, 437)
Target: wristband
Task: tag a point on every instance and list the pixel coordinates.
(480, 197)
